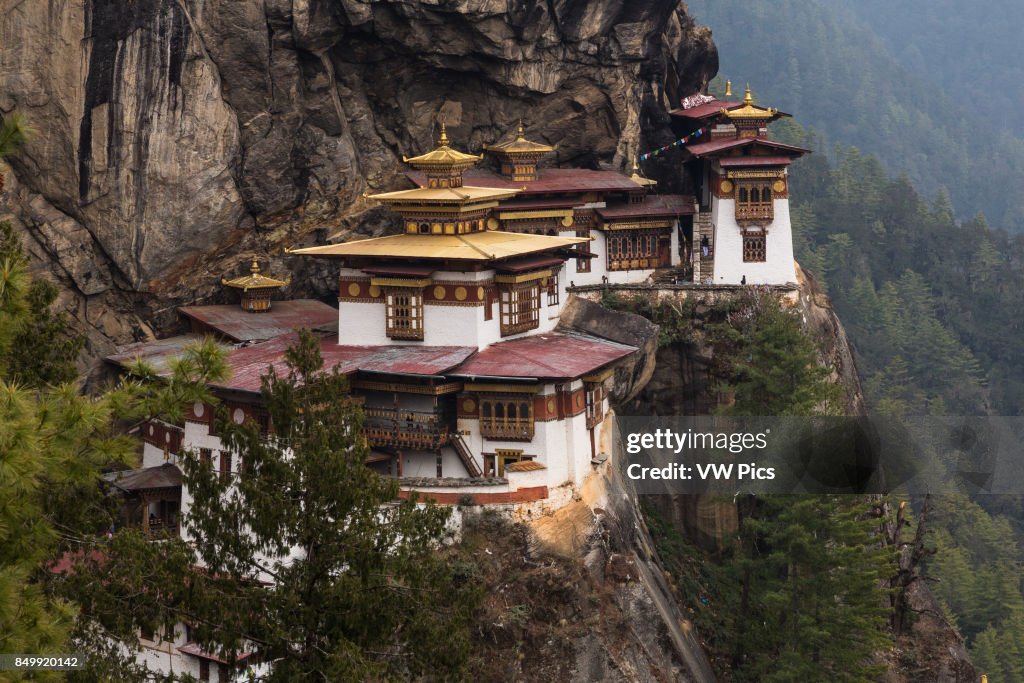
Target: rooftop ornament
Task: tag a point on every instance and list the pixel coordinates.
(443, 165)
(256, 288)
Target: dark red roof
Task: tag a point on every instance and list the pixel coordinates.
(400, 269)
(653, 205)
(159, 477)
(284, 316)
(196, 651)
(158, 353)
(544, 356)
(734, 162)
(528, 204)
(249, 364)
(706, 110)
(709, 148)
(549, 180)
(529, 263)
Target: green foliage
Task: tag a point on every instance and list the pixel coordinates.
(358, 590)
(772, 365)
(891, 87)
(14, 132)
(37, 347)
(797, 596)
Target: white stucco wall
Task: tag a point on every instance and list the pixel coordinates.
(777, 269)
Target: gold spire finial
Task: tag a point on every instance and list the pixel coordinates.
(747, 99)
(443, 140)
(728, 88)
(636, 166)
(255, 268)
(984, 678)
(520, 135)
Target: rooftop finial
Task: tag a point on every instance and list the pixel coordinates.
(255, 268)
(519, 132)
(728, 88)
(636, 166)
(443, 140)
(747, 99)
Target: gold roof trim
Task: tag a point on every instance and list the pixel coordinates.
(447, 195)
(443, 156)
(519, 145)
(749, 110)
(639, 179)
(254, 280)
(474, 246)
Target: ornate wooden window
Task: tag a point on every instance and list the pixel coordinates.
(403, 312)
(520, 307)
(206, 457)
(593, 395)
(506, 417)
(631, 250)
(754, 201)
(754, 247)
(552, 287)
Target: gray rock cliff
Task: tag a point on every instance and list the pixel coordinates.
(175, 137)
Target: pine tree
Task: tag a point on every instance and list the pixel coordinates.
(358, 591)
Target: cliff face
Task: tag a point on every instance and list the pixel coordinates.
(177, 136)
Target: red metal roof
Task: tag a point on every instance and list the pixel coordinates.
(549, 180)
(284, 316)
(707, 148)
(249, 364)
(733, 162)
(653, 205)
(544, 356)
(156, 353)
(706, 110)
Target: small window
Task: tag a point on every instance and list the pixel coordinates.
(206, 457)
(593, 395)
(223, 673)
(506, 417)
(225, 465)
(754, 248)
(520, 307)
(404, 313)
(424, 228)
(204, 670)
(553, 290)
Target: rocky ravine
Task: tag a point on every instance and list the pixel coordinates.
(176, 137)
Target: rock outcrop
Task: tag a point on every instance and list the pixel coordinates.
(177, 136)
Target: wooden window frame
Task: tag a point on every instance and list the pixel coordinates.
(224, 466)
(593, 399)
(519, 307)
(749, 208)
(501, 417)
(204, 669)
(755, 247)
(404, 319)
(206, 457)
(632, 250)
(552, 289)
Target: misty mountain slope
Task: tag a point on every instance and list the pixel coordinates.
(828, 68)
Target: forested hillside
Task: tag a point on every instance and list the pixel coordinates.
(931, 305)
(816, 60)
(976, 57)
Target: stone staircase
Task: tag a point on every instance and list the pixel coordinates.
(704, 268)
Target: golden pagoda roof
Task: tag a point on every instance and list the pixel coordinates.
(443, 156)
(254, 280)
(749, 110)
(639, 179)
(442, 195)
(520, 145)
(476, 246)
